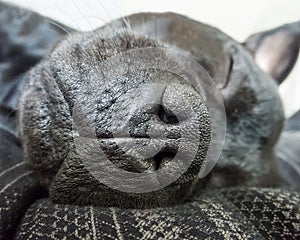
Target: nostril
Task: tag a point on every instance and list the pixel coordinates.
(163, 157)
(100, 133)
(167, 116)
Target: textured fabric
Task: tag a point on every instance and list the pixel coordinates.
(18, 191)
(293, 123)
(235, 213)
(25, 38)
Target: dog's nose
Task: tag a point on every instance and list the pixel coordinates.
(174, 117)
(165, 111)
(164, 127)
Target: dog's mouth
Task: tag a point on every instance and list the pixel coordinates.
(160, 157)
(150, 141)
(162, 139)
(157, 159)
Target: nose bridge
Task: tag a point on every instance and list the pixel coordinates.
(161, 111)
(167, 122)
(151, 95)
(146, 120)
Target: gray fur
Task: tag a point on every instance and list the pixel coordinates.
(253, 108)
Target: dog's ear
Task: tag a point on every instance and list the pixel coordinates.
(276, 51)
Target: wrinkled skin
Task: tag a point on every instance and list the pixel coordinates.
(252, 104)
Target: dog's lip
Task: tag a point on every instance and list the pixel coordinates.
(164, 155)
(132, 138)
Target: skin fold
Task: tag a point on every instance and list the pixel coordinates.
(253, 109)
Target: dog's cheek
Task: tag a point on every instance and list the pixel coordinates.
(44, 122)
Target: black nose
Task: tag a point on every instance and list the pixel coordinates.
(154, 116)
(165, 115)
(161, 125)
(152, 120)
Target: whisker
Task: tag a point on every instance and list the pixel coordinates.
(156, 39)
(104, 9)
(107, 22)
(59, 26)
(144, 26)
(68, 16)
(82, 15)
(102, 19)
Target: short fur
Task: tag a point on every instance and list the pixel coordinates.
(252, 103)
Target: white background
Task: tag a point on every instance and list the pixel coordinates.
(237, 18)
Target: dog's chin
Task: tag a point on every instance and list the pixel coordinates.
(74, 184)
(104, 196)
(168, 196)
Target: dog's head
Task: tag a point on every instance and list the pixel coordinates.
(101, 87)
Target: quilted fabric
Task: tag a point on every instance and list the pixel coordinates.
(233, 213)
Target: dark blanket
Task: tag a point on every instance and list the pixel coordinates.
(27, 213)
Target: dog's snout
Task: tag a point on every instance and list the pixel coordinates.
(163, 121)
(163, 114)
(167, 116)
